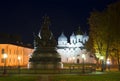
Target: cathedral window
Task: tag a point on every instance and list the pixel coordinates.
(73, 41)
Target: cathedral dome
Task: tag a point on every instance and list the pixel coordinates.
(62, 37)
(85, 37)
(73, 36)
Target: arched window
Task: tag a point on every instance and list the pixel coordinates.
(78, 61)
(79, 40)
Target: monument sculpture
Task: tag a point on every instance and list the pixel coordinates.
(45, 55)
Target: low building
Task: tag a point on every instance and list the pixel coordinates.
(14, 53)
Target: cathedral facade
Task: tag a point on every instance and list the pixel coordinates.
(71, 52)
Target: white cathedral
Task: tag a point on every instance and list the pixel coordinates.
(71, 52)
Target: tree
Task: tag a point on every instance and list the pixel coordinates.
(104, 29)
(114, 15)
(96, 33)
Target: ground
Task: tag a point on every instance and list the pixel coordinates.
(94, 76)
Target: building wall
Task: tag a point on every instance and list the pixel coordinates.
(13, 52)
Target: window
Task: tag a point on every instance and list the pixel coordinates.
(3, 51)
(10, 51)
(10, 60)
(2, 60)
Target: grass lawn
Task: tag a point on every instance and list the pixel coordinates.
(18, 78)
(108, 76)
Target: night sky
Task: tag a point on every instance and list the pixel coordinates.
(24, 18)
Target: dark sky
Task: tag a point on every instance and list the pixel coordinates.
(24, 18)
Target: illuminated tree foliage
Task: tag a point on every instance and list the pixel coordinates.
(105, 31)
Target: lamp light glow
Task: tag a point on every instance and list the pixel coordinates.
(83, 56)
(19, 58)
(5, 55)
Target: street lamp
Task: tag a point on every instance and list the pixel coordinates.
(5, 57)
(83, 67)
(19, 58)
